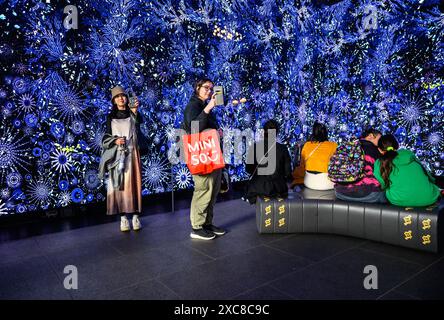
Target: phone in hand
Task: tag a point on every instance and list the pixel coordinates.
(219, 92)
(132, 99)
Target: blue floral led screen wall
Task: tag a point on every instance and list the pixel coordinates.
(348, 64)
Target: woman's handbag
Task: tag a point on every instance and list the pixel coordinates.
(202, 152)
(299, 171)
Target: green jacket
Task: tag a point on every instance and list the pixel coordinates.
(410, 184)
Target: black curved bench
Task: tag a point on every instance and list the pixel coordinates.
(311, 211)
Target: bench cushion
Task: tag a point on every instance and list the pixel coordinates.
(311, 211)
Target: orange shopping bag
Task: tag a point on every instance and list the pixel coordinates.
(202, 152)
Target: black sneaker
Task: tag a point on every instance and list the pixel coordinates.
(202, 234)
(214, 229)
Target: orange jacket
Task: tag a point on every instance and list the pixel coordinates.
(318, 161)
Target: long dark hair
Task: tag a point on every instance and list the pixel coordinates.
(270, 125)
(320, 133)
(199, 83)
(389, 144)
(114, 109)
(370, 130)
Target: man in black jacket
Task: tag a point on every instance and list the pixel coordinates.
(197, 118)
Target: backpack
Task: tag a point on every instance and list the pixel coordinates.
(347, 164)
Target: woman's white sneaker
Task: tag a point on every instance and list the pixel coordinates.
(136, 224)
(124, 224)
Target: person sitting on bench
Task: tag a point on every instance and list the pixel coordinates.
(315, 156)
(406, 182)
(264, 182)
(367, 189)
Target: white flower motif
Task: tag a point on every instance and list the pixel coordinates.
(61, 161)
(183, 178)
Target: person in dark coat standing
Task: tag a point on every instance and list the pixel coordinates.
(274, 182)
(197, 118)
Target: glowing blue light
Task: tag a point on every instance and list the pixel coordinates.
(296, 62)
(77, 195)
(31, 120)
(36, 152)
(58, 130)
(63, 185)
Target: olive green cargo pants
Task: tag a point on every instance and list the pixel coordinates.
(206, 189)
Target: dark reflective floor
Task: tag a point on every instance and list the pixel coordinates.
(74, 217)
(162, 262)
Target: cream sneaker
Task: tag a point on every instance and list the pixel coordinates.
(136, 223)
(124, 224)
